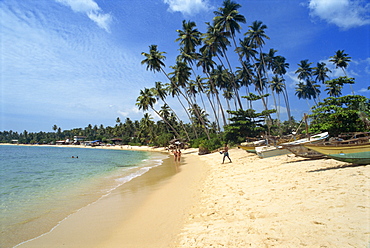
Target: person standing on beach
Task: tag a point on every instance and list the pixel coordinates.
(175, 154)
(226, 153)
(178, 155)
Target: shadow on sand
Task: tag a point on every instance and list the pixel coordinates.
(342, 166)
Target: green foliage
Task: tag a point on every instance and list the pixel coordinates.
(246, 123)
(163, 139)
(211, 144)
(340, 115)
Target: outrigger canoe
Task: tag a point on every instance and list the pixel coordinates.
(351, 153)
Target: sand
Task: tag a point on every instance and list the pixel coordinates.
(280, 201)
(283, 201)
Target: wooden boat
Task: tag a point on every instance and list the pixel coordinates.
(288, 147)
(271, 151)
(298, 149)
(251, 146)
(355, 150)
(351, 153)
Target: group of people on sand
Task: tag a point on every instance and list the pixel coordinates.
(177, 155)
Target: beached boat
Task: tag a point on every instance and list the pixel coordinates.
(298, 149)
(282, 148)
(251, 146)
(356, 153)
(271, 151)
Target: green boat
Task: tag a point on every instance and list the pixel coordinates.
(351, 153)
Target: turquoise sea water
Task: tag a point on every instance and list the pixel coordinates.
(40, 186)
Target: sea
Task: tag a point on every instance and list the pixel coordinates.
(41, 185)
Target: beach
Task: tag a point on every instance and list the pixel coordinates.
(283, 201)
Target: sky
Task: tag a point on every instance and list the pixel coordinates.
(72, 63)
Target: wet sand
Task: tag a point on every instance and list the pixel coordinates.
(146, 212)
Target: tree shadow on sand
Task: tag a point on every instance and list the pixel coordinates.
(342, 166)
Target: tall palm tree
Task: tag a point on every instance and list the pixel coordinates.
(228, 18)
(154, 59)
(216, 39)
(256, 35)
(341, 60)
(147, 100)
(304, 70)
(160, 92)
(181, 78)
(246, 50)
(189, 37)
(205, 61)
(277, 86)
(333, 89)
(146, 128)
(279, 67)
(302, 91)
(321, 72)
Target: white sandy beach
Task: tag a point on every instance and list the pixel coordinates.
(282, 201)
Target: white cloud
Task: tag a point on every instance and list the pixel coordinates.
(187, 7)
(91, 9)
(362, 90)
(343, 13)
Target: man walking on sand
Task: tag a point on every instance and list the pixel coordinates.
(226, 153)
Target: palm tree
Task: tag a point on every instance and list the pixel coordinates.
(147, 100)
(277, 86)
(205, 61)
(146, 127)
(181, 78)
(161, 93)
(154, 59)
(333, 89)
(304, 70)
(256, 35)
(189, 37)
(228, 18)
(216, 42)
(279, 67)
(320, 71)
(302, 91)
(341, 60)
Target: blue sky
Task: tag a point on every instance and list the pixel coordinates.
(77, 62)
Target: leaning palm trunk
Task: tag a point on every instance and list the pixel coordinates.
(232, 80)
(177, 117)
(190, 102)
(187, 113)
(198, 114)
(173, 129)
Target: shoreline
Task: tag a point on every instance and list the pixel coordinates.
(283, 201)
(157, 196)
(116, 147)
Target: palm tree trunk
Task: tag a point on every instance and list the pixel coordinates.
(178, 136)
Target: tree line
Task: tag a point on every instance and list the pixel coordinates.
(208, 86)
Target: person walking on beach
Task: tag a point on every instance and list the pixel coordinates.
(226, 153)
